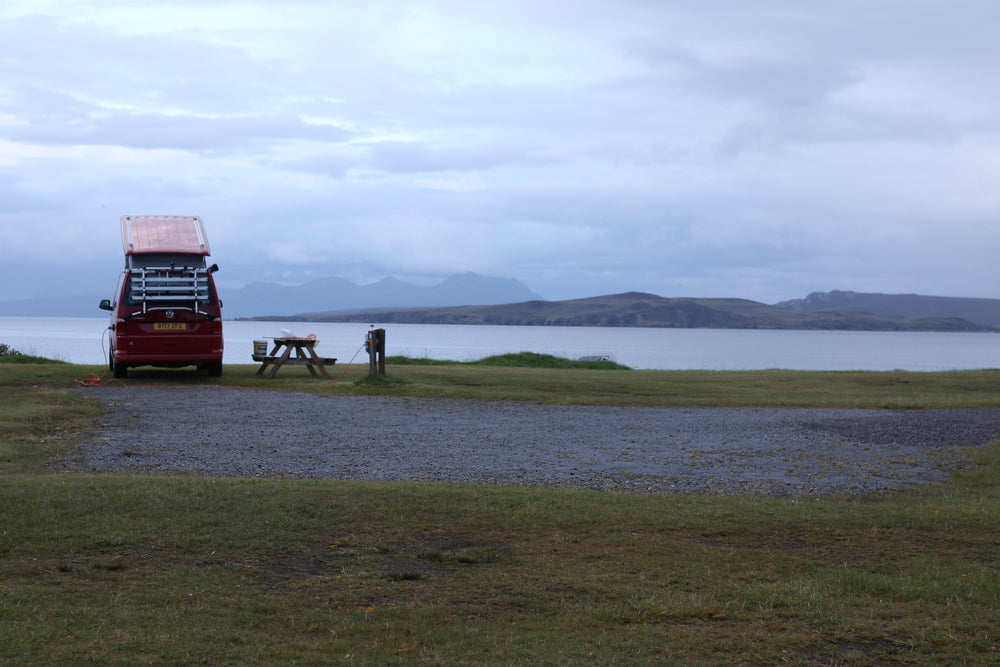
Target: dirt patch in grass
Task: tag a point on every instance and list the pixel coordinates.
(875, 651)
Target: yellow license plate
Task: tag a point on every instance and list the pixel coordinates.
(172, 326)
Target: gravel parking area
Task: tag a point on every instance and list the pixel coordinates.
(247, 433)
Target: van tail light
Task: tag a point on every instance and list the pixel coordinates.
(121, 328)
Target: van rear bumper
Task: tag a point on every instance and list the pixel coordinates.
(167, 359)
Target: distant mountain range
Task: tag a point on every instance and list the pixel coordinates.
(912, 306)
(637, 309)
(469, 298)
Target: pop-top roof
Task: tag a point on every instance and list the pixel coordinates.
(143, 234)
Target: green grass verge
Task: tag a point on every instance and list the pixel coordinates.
(9, 355)
(517, 359)
(565, 386)
(109, 569)
(116, 569)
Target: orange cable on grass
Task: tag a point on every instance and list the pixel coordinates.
(345, 368)
(95, 380)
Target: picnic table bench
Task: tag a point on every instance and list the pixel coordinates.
(305, 355)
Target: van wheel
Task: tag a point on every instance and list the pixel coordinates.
(119, 370)
(214, 369)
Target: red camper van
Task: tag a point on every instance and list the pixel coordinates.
(165, 310)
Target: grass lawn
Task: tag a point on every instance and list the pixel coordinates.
(119, 569)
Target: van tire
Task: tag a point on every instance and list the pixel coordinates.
(214, 369)
(119, 371)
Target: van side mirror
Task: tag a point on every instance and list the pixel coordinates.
(105, 304)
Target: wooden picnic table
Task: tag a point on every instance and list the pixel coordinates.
(305, 355)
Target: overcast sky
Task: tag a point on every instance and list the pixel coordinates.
(709, 148)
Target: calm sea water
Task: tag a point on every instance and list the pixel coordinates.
(81, 340)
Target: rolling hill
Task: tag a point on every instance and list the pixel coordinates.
(637, 309)
(911, 306)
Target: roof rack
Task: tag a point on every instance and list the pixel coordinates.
(163, 283)
(170, 286)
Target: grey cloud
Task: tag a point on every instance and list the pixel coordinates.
(186, 132)
(414, 157)
(149, 72)
(772, 78)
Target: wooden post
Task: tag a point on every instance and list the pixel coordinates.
(380, 335)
